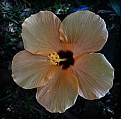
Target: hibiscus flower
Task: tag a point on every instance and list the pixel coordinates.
(59, 59)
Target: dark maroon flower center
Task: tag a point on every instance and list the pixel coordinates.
(68, 55)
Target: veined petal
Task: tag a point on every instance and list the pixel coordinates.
(95, 75)
(40, 33)
(31, 71)
(82, 32)
(60, 93)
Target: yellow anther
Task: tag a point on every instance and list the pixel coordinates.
(54, 58)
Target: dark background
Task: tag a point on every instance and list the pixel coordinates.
(19, 103)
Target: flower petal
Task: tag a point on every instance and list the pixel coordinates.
(31, 71)
(95, 75)
(40, 33)
(60, 93)
(83, 31)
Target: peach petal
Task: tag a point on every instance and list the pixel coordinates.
(31, 71)
(40, 33)
(83, 32)
(59, 93)
(95, 75)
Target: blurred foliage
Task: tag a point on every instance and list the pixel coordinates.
(116, 5)
(16, 102)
